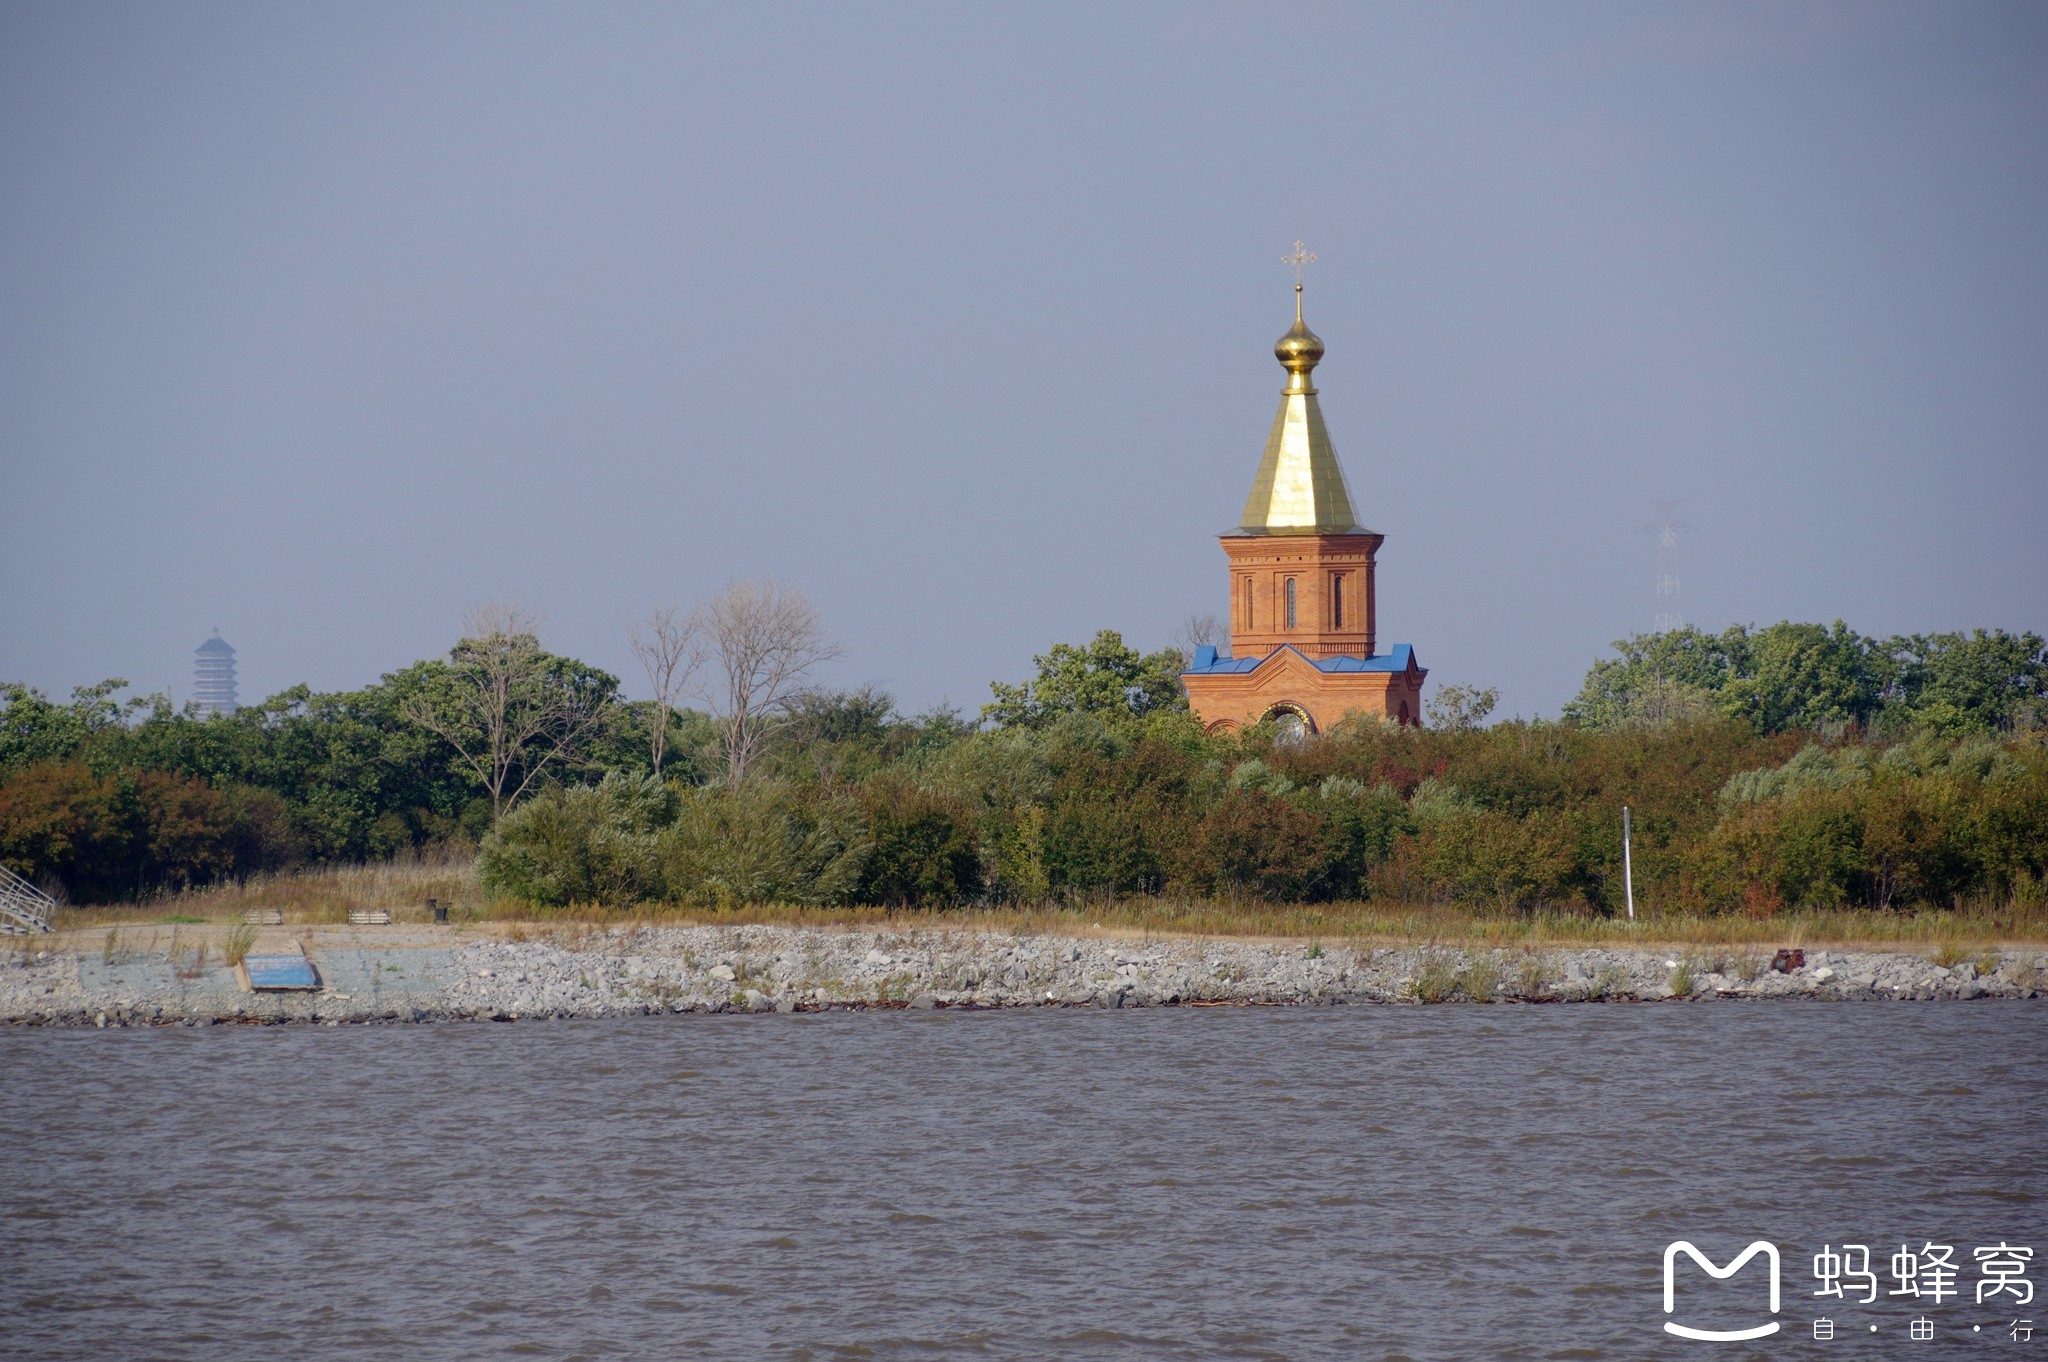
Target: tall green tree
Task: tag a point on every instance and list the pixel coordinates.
(1106, 678)
(1804, 676)
(1789, 677)
(510, 709)
(1656, 676)
(1974, 682)
(35, 728)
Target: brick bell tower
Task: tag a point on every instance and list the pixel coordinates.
(1304, 612)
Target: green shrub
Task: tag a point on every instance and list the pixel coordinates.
(581, 844)
(1683, 980)
(106, 835)
(763, 843)
(1479, 980)
(1512, 862)
(1361, 826)
(922, 847)
(1436, 976)
(1093, 844)
(59, 818)
(1256, 845)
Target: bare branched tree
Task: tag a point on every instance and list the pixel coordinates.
(669, 650)
(1197, 631)
(508, 707)
(766, 638)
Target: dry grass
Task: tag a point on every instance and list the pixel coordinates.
(1353, 924)
(240, 941)
(324, 896)
(308, 896)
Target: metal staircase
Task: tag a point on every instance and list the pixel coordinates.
(23, 907)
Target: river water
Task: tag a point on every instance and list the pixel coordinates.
(1444, 1182)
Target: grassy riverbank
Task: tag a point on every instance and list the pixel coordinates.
(403, 887)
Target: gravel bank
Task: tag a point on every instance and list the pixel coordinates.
(446, 976)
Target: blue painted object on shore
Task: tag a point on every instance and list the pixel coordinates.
(267, 973)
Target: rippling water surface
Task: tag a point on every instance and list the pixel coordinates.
(1348, 1183)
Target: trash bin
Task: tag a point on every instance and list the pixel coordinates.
(439, 910)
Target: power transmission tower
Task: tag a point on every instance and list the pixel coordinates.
(1667, 530)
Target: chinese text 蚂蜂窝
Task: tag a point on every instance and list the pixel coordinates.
(1928, 1273)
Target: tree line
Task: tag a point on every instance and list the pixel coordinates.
(1821, 678)
(1789, 766)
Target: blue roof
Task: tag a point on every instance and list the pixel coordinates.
(1398, 658)
(216, 644)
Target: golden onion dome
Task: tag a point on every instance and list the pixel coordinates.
(1301, 349)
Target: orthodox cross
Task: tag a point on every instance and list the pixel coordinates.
(1302, 256)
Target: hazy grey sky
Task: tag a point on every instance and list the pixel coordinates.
(319, 322)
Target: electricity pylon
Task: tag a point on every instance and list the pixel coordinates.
(1667, 529)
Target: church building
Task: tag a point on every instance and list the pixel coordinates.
(1304, 617)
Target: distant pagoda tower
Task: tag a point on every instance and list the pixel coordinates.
(213, 676)
(1304, 608)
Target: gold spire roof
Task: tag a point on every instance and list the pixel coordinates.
(1299, 488)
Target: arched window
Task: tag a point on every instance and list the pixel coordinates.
(1290, 602)
(1336, 600)
(1291, 723)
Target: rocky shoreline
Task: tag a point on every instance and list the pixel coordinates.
(455, 974)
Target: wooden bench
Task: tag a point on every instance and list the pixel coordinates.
(369, 917)
(264, 917)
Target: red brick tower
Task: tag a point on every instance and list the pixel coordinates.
(1303, 608)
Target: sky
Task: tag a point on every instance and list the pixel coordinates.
(320, 323)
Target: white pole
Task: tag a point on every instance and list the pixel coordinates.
(1628, 870)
